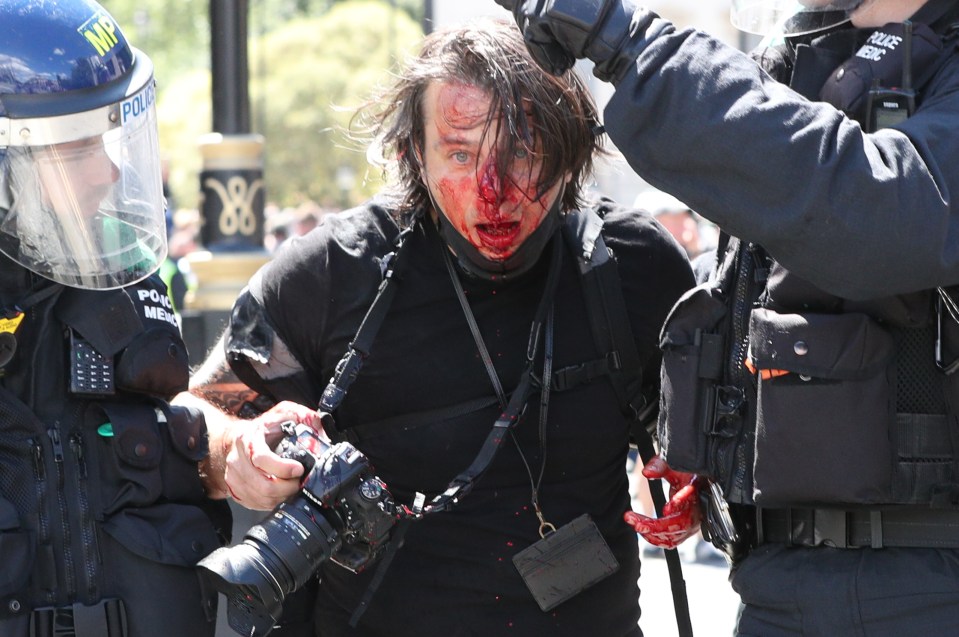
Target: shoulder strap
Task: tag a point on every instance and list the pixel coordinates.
(348, 368)
(610, 324)
(606, 310)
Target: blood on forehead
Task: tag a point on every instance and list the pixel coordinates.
(462, 106)
(461, 115)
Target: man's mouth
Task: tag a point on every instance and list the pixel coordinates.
(498, 236)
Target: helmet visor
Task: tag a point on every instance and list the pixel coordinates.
(789, 17)
(88, 212)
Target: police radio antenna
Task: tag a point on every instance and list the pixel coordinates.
(907, 56)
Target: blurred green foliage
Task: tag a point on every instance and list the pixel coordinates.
(311, 62)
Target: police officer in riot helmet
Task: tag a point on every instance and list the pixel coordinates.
(102, 512)
(810, 383)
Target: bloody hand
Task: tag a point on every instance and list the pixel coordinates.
(681, 515)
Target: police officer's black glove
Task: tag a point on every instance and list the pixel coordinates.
(611, 33)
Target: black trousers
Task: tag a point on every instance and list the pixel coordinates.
(889, 592)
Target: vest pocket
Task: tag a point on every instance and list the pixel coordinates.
(130, 449)
(825, 408)
(169, 533)
(186, 446)
(149, 453)
(152, 500)
(691, 371)
(17, 546)
(155, 363)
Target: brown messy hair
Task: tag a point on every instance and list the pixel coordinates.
(555, 117)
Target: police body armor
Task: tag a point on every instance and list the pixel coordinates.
(102, 512)
(824, 421)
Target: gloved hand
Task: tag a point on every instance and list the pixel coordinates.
(611, 33)
(681, 515)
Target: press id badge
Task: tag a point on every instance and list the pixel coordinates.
(565, 562)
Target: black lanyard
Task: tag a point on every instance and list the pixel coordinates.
(349, 367)
(541, 329)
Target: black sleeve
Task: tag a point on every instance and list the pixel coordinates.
(859, 215)
(260, 358)
(315, 292)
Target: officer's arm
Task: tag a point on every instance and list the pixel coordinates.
(241, 462)
(860, 215)
(216, 390)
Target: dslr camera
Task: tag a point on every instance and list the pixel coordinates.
(342, 512)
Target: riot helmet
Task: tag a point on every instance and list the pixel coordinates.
(80, 183)
(790, 17)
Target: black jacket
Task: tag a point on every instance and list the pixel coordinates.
(858, 215)
(824, 312)
(419, 412)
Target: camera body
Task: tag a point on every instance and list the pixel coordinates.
(340, 480)
(342, 512)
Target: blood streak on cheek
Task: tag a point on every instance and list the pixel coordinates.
(453, 192)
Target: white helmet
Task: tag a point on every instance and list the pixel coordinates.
(790, 17)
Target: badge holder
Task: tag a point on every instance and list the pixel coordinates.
(565, 562)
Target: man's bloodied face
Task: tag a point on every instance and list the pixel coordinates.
(495, 212)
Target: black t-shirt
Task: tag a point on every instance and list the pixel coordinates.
(454, 575)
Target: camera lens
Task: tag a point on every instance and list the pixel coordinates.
(275, 558)
(298, 538)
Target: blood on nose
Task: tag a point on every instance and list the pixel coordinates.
(490, 189)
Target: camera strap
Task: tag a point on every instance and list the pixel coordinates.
(514, 408)
(463, 483)
(348, 368)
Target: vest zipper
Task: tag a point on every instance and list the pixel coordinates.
(88, 537)
(40, 480)
(44, 532)
(68, 562)
(738, 380)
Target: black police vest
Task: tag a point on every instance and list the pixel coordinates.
(802, 397)
(93, 456)
(789, 396)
